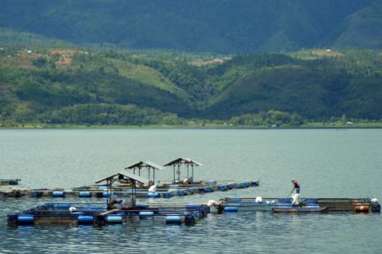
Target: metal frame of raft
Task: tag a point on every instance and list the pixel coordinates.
(309, 205)
(96, 214)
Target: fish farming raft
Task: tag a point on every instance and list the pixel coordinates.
(308, 205)
(101, 191)
(96, 214)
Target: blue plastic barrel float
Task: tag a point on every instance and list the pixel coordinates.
(114, 219)
(60, 206)
(106, 194)
(146, 214)
(85, 194)
(58, 194)
(193, 206)
(173, 219)
(231, 209)
(85, 219)
(153, 195)
(25, 219)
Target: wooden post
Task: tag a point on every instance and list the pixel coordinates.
(108, 199)
(192, 168)
(133, 192)
(178, 172)
(173, 166)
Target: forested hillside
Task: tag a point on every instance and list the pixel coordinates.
(180, 62)
(97, 87)
(224, 26)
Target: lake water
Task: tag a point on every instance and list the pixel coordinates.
(328, 163)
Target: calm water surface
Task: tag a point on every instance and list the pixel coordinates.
(328, 163)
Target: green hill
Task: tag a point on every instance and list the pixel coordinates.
(311, 91)
(103, 87)
(200, 25)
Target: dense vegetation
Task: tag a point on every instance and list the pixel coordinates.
(67, 85)
(225, 26)
(122, 62)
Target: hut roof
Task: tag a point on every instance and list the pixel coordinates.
(185, 161)
(124, 177)
(145, 164)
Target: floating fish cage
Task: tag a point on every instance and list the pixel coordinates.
(102, 192)
(96, 214)
(172, 214)
(307, 205)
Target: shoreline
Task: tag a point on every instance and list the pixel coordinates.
(205, 127)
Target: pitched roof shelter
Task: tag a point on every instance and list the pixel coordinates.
(123, 178)
(148, 165)
(177, 163)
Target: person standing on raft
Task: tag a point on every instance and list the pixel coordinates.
(296, 187)
(296, 195)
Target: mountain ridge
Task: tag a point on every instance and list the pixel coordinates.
(223, 26)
